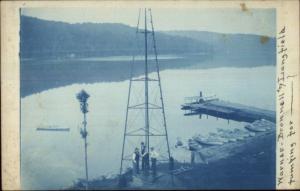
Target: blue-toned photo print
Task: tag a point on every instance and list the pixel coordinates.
(147, 98)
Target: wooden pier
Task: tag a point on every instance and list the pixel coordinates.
(228, 111)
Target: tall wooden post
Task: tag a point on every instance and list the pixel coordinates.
(82, 97)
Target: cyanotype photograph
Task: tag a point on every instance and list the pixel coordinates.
(147, 98)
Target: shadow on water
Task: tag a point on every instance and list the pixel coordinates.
(38, 75)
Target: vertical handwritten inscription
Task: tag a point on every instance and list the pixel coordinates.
(291, 135)
(282, 52)
(286, 136)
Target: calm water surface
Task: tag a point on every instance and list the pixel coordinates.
(52, 160)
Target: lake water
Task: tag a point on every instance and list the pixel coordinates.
(52, 160)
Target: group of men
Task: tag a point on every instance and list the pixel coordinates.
(144, 155)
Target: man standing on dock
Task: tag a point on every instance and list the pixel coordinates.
(145, 157)
(136, 160)
(153, 157)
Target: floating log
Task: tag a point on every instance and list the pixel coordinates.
(52, 129)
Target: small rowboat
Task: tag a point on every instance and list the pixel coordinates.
(208, 140)
(243, 133)
(255, 128)
(260, 126)
(193, 145)
(227, 134)
(219, 137)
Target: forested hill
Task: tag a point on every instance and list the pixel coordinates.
(241, 45)
(42, 38)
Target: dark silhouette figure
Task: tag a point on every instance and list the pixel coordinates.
(136, 160)
(153, 156)
(145, 157)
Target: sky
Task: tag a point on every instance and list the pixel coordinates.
(229, 20)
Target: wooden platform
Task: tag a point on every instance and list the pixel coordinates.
(229, 111)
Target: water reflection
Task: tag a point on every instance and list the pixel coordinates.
(53, 160)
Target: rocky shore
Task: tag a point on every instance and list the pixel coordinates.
(243, 164)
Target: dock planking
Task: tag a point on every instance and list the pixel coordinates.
(229, 111)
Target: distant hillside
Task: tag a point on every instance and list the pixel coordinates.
(41, 38)
(241, 45)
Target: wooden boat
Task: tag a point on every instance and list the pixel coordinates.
(220, 138)
(236, 134)
(255, 128)
(193, 145)
(242, 133)
(260, 126)
(227, 134)
(50, 128)
(264, 123)
(207, 140)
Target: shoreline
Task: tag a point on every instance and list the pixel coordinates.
(237, 165)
